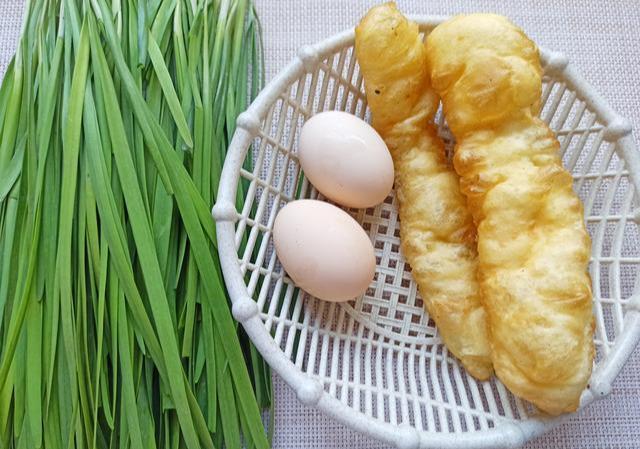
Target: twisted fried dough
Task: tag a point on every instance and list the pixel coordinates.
(436, 230)
(532, 243)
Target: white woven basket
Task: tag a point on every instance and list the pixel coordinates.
(377, 364)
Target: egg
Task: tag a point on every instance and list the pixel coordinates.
(324, 250)
(345, 159)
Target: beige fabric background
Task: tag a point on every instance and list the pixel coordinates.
(602, 37)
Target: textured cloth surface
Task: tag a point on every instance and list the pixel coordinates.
(601, 38)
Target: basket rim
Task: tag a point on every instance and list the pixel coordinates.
(506, 433)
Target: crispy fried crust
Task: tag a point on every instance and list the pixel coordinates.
(532, 243)
(436, 230)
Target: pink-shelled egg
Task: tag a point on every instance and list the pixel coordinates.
(324, 250)
(346, 159)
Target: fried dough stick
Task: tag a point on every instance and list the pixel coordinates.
(532, 243)
(436, 230)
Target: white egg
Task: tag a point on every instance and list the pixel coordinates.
(346, 159)
(324, 250)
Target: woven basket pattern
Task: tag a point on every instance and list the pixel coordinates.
(380, 355)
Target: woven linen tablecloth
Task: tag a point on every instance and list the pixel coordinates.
(601, 37)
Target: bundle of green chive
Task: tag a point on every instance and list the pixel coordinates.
(115, 329)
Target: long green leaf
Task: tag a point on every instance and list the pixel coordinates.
(115, 116)
(169, 91)
(146, 250)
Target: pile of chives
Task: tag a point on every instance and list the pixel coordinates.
(115, 329)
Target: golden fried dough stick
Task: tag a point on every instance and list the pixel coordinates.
(532, 244)
(436, 230)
